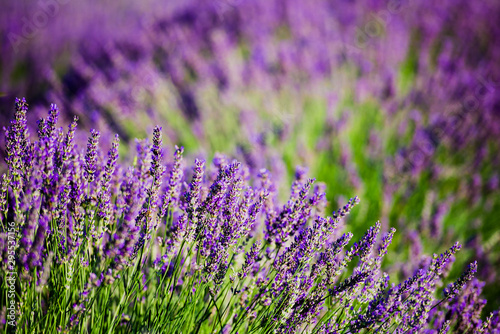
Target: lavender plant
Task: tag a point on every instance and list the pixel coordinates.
(105, 246)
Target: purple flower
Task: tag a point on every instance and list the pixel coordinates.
(69, 145)
(363, 247)
(171, 195)
(91, 156)
(453, 289)
(104, 197)
(250, 258)
(193, 198)
(157, 169)
(293, 214)
(17, 142)
(4, 187)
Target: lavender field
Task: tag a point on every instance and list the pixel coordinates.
(250, 166)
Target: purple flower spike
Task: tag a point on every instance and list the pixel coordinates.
(346, 208)
(17, 142)
(349, 284)
(171, 195)
(445, 327)
(193, 197)
(250, 259)
(4, 186)
(104, 200)
(51, 120)
(439, 262)
(69, 145)
(453, 289)
(364, 246)
(157, 169)
(91, 156)
(145, 217)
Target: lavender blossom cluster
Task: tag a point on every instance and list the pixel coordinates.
(109, 244)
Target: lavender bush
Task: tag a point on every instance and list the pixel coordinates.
(395, 101)
(99, 243)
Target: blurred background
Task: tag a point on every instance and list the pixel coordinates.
(394, 101)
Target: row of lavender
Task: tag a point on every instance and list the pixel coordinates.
(429, 69)
(105, 246)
